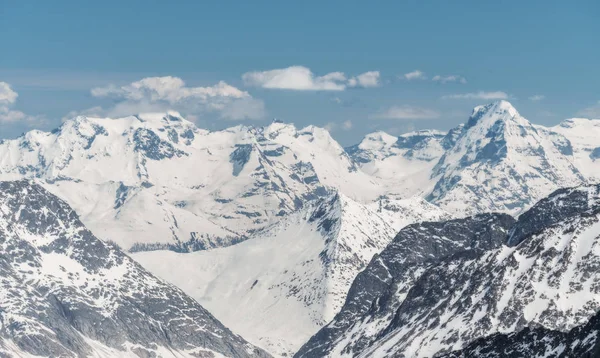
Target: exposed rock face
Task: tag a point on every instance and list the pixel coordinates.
(545, 277)
(65, 293)
(380, 288)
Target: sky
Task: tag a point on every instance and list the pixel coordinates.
(353, 67)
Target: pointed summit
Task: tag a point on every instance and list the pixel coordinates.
(496, 111)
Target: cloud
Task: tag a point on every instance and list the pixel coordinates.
(406, 112)
(8, 97)
(591, 112)
(365, 80)
(300, 78)
(478, 95)
(160, 94)
(415, 75)
(330, 126)
(449, 78)
(347, 125)
(537, 97)
(247, 108)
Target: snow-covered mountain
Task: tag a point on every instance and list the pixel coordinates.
(306, 215)
(544, 275)
(290, 279)
(66, 293)
(156, 181)
(501, 162)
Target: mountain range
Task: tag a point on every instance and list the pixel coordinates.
(303, 246)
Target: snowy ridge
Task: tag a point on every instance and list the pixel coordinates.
(583, 134)
(66, 293)
(289, 280)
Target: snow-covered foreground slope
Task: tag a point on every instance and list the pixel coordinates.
(280, 287)
(66, 293)
(544, 276)
(580, 342)
(157, 181)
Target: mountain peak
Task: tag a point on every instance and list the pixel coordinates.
(491, 113)
(377, 141)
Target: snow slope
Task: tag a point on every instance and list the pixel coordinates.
(292, 278)
(402, 164)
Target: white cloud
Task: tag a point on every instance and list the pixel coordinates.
(407, 112)
(295, 78)
(537, 97)
(478, 95)
(347, 125)
(415, 75)
(365, 80)
(301, 78)
(591, 112)
(449, 78)
(8, 115)
(7, 95)
(160, 94)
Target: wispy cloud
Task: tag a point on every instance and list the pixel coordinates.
(449, 78)
(8, 97)
(537, 97)
(300, 78)
(407, 113)
(171, 93)
(591, 112)
(415, 75)
(479, 95)
(333, 126)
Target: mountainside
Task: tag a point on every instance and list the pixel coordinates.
(543, 277)
(288, 281)
(156, 181)
(66, 293)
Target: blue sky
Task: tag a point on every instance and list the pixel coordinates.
(541, 55)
